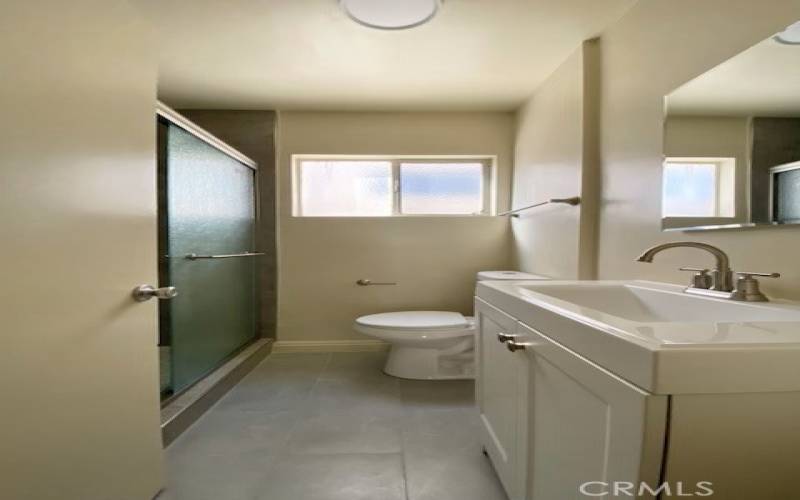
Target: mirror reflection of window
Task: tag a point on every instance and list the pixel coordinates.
(699, 187)
(748, 109)
(690, 189)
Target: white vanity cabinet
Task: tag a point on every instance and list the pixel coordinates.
(553, 420)
(586, 425)
(501, 380)
(638, 386)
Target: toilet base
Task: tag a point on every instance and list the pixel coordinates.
(429, 364)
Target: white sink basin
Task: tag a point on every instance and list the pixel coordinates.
(644, 304)
(658, 337)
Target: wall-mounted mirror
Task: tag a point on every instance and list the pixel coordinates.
(732, 141)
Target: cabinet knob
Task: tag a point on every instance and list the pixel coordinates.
(504, 337)
(518, 346)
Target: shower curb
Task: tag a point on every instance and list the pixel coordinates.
(185, 409)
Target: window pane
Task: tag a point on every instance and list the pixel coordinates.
(441, 188)
(690, 190)
(346, 188)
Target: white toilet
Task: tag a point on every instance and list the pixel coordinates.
(431, 345)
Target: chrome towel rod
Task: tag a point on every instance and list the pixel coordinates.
(366, 282)
(194, 256)
(575, 200)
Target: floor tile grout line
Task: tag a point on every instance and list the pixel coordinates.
(343, 454)
(403, 464)
(403, 430)
(319, 376)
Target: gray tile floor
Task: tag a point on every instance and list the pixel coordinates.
(333, 427)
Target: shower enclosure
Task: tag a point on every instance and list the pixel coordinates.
(207, 224)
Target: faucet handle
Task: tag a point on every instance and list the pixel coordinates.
(747, 274)
(701, 278)
(747, 288)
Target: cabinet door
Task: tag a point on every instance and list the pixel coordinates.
(501, 389)
(588, 426)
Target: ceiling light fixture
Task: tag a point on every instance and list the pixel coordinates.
(789, 36)
(391, 14)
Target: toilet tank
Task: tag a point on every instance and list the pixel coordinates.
(508, 276)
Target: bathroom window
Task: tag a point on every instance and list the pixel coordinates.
(699, 187)
(391, 186)
(345, 188)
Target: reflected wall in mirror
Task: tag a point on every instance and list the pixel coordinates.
(732, 142)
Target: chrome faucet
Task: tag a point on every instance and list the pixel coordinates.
(721, 276)
(720, 282)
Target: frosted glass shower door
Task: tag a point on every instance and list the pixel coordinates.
(210, 211)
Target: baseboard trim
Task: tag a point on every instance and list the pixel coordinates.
(329, 346)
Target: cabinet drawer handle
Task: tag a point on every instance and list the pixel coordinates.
(518, 346)
(504, 337)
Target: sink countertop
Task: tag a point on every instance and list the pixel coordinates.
(756, 350)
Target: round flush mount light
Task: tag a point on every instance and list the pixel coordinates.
(391, 14)
(789, 36)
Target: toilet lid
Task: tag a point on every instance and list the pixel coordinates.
(415, 320)
(508, 275)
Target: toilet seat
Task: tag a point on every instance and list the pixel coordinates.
(416, 326)
(415, 321)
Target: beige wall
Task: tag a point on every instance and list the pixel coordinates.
(712, 137)
(433, 259)
(555, 157)
(655, 48)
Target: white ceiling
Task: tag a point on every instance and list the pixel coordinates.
(307, 54)
(764, 80)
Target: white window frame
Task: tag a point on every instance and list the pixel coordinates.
(489, 183)
(720, 177)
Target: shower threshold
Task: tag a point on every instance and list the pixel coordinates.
(181, 411)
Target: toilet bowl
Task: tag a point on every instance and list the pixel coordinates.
(431, 345)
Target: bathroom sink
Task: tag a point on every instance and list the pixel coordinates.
(660, 338)
(640, 303)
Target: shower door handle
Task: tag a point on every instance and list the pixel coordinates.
(143, 293)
